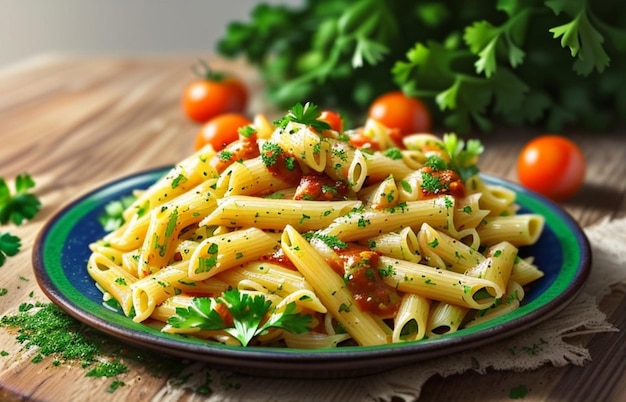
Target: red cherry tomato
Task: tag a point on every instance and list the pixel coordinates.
(333, 119)
(213, 94)
(552, 165)
(221, 130)
(396, 110)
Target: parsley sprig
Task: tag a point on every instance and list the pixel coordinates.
(16, 207)
(463, 155)
(20, 205)
(252, 315)
(9, 246)
(306, 114)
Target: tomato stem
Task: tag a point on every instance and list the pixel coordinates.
(204, 71)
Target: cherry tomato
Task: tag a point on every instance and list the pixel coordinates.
(332, 118)
(221, 130)
(212, 94)
(396, 110)
(552, 165)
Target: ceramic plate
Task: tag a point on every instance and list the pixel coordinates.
(61, 253)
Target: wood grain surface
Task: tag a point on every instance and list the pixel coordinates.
(76, 123)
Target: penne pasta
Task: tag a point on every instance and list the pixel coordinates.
(439, 284)
(272, 214)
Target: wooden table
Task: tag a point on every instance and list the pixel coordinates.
(76, 123)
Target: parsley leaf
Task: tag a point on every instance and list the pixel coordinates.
(580, 36)
(306, 114)
(9, 246)
(463, 156)
(112, 217)
(18, 206)
(252, 315)
(201, 314)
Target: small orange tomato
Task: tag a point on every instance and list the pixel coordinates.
(212, 94)
(333, 119)
(552, 165)
(221, 130)
(396, 110)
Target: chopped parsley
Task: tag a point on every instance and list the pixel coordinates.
(393, 153)
(431, 183)
(271, 151)
(246, 131)
(518, 392)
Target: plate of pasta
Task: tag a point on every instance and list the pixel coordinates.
(294, 253)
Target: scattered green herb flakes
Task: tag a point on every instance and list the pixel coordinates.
(518, 392)
(107, 369)
(115, 385)
(50, 332)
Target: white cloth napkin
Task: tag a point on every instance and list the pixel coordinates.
(543, 344)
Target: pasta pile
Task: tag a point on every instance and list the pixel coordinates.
(378, 244)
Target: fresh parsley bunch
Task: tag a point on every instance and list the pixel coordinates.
(548, 63)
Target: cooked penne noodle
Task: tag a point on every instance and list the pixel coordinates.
(524, 271)
(305, 145)
(221, 252)
(112, 279)
(494, 199)
(190, 205)
(382, 195)
(439, 284)
(468, 213)
(275, 278)
(519, 230)
(168, 221)
(402, 245)
(497, 266)
(331, 289)
(380, 166)
(444, 319)
(509, 303)
(414, 309)
(272, 214)
(367, 222)
(154, 289)
(250, 177)
(181, 178)
(346, 163)
(446, 252)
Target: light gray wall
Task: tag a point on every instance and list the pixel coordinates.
(33, 27)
